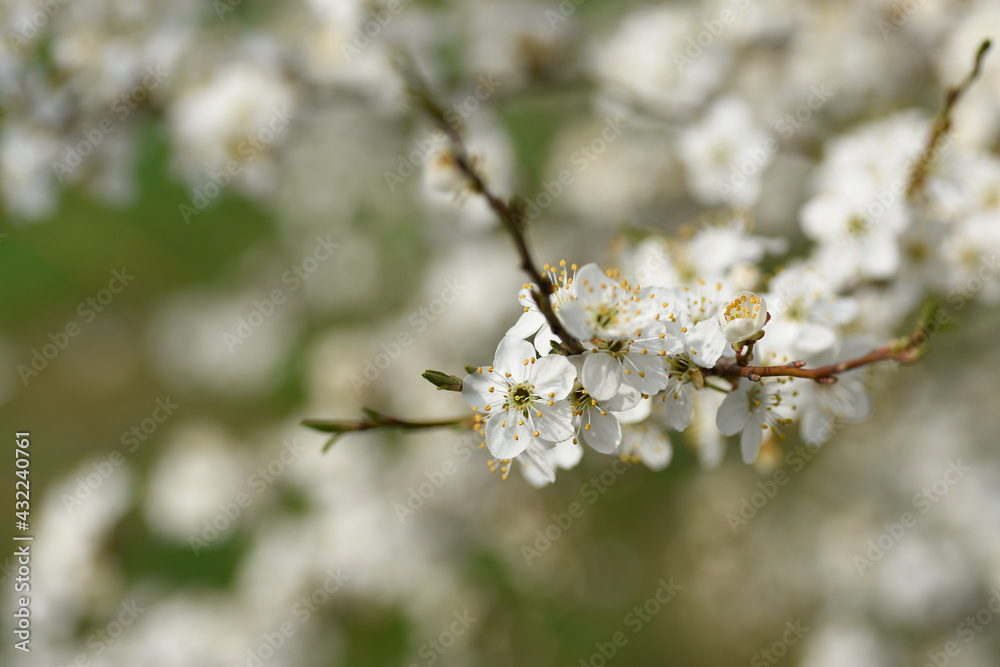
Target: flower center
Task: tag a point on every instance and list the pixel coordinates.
(797, 309)
(857, 226)
(616, 348)
(519, 397)
(745, 307)
(605, 315)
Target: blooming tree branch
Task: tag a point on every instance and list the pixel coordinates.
(905, 350)
(599, 360)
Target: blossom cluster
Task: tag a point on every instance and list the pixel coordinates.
(649, 362)
(897, 212)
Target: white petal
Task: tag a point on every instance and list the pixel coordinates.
(647, 373)
(536, 467)
(602, 375)
(815, 338)
(816, 426)
(574, 317)
(654, 449)
(707, 340)
(554, 374)
(510, 357)
(679, 409)
(566, 454)
(880, 256)
(555, 423)
(750, 441)
(588, 283)
(626, 399)
(639, 412)
(526, 325)
(500, 431)
(738, 329)
(544, 339)
(604, 434)
(476, 390)
(734, 411)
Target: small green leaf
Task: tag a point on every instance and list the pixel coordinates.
(324, 426)
(329, 443)
(443, 381)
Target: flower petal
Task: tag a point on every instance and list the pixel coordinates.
(476, 390)
(707, 341)
(552, 422)
(626, 399)
(734, 411)
(500, 431)
(646, 372)
(510, 357)
(601, 376)
(679, 407)
(750, 441)
(604, 433)
(553, 374)
(536, 467)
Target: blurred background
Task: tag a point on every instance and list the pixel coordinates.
(220, 218)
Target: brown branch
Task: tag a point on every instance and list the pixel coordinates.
(513, 218)
(904, 350)
(943, 124)
(373, 420)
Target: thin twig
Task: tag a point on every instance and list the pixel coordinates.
(512, 218)
(943, 124)
(373, 420)
(904, 350)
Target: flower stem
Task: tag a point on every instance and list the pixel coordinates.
(511, 214)
(942, 124)
(373, 420)
(903, 350)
